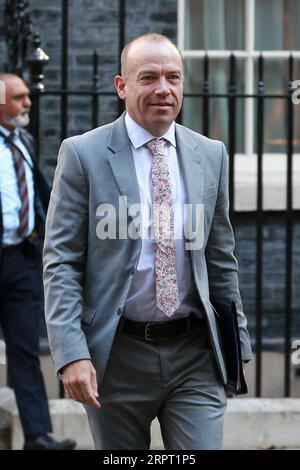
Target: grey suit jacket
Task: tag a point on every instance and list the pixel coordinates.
(86, 279)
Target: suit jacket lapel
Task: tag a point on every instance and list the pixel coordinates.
(122, 165)
(28, 141)
(192, 164)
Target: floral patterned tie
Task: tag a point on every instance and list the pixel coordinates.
(167, 295)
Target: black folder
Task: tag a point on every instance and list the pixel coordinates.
(226, 316)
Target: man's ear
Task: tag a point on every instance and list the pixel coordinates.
(120, 84)
(2, 92)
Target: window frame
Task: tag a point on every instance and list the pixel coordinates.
(249, 54)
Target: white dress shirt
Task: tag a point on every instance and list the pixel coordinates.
(9, 192)
(141, 302)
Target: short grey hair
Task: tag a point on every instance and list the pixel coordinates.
(150, 37)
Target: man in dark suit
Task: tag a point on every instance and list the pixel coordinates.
(23, 205)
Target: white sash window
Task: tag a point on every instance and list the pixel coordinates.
(245, 28)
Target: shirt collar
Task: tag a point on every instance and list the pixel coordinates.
(139, 136)
(6, 132)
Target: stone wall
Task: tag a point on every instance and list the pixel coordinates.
(271, 424)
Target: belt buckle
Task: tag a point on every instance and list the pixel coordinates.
(147, 334)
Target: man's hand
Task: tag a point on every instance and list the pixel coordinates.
(80, 382)
(229, 392)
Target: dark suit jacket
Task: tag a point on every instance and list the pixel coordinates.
(41, 189)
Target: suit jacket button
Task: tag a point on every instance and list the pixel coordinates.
(119, 311)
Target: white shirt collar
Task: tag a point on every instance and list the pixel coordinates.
(139, 136)
(6, 132)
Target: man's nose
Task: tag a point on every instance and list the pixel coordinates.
(27, 102)
(162, 87)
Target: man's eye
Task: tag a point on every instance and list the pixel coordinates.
(174, 77)
(148, 77)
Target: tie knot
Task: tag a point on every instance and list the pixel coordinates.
(157, 146)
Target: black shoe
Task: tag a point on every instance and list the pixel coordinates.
(46, 442)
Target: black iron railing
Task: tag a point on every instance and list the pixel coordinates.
(232, 96)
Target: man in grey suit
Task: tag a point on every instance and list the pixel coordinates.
(128, 272)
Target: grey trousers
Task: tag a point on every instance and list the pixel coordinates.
(175, 380)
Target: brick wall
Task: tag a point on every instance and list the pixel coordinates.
(93, 26)
(273, 276)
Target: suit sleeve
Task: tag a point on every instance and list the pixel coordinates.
(222, 265)
(64, 258)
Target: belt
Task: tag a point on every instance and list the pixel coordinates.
(10, 248)
(25, 246)
(158, 330)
